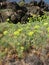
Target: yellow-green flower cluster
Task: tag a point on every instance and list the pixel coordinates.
(31, 33)
(36, 26)
(8, 19)
(18, 31)
(45, 24)
(22, 48)
(5, 32)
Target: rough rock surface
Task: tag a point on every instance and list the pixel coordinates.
(17, 13)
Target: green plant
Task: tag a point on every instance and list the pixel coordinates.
(22, 36)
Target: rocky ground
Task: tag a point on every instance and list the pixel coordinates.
(20, 13)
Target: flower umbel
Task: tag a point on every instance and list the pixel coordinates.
(36, 26)
(5, 32)
(16, 33)
(31, 33)
(45, 24)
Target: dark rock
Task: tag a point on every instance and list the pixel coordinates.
(34, 3)
(6, 13)
(46, 8)
(18, 13)
(9, 5)
(12, 5)
(24, 19)
(35, 10)
(41, 4)
(3, 5)
(1, 18)
(13, 11)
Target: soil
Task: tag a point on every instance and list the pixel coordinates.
(33, 57)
